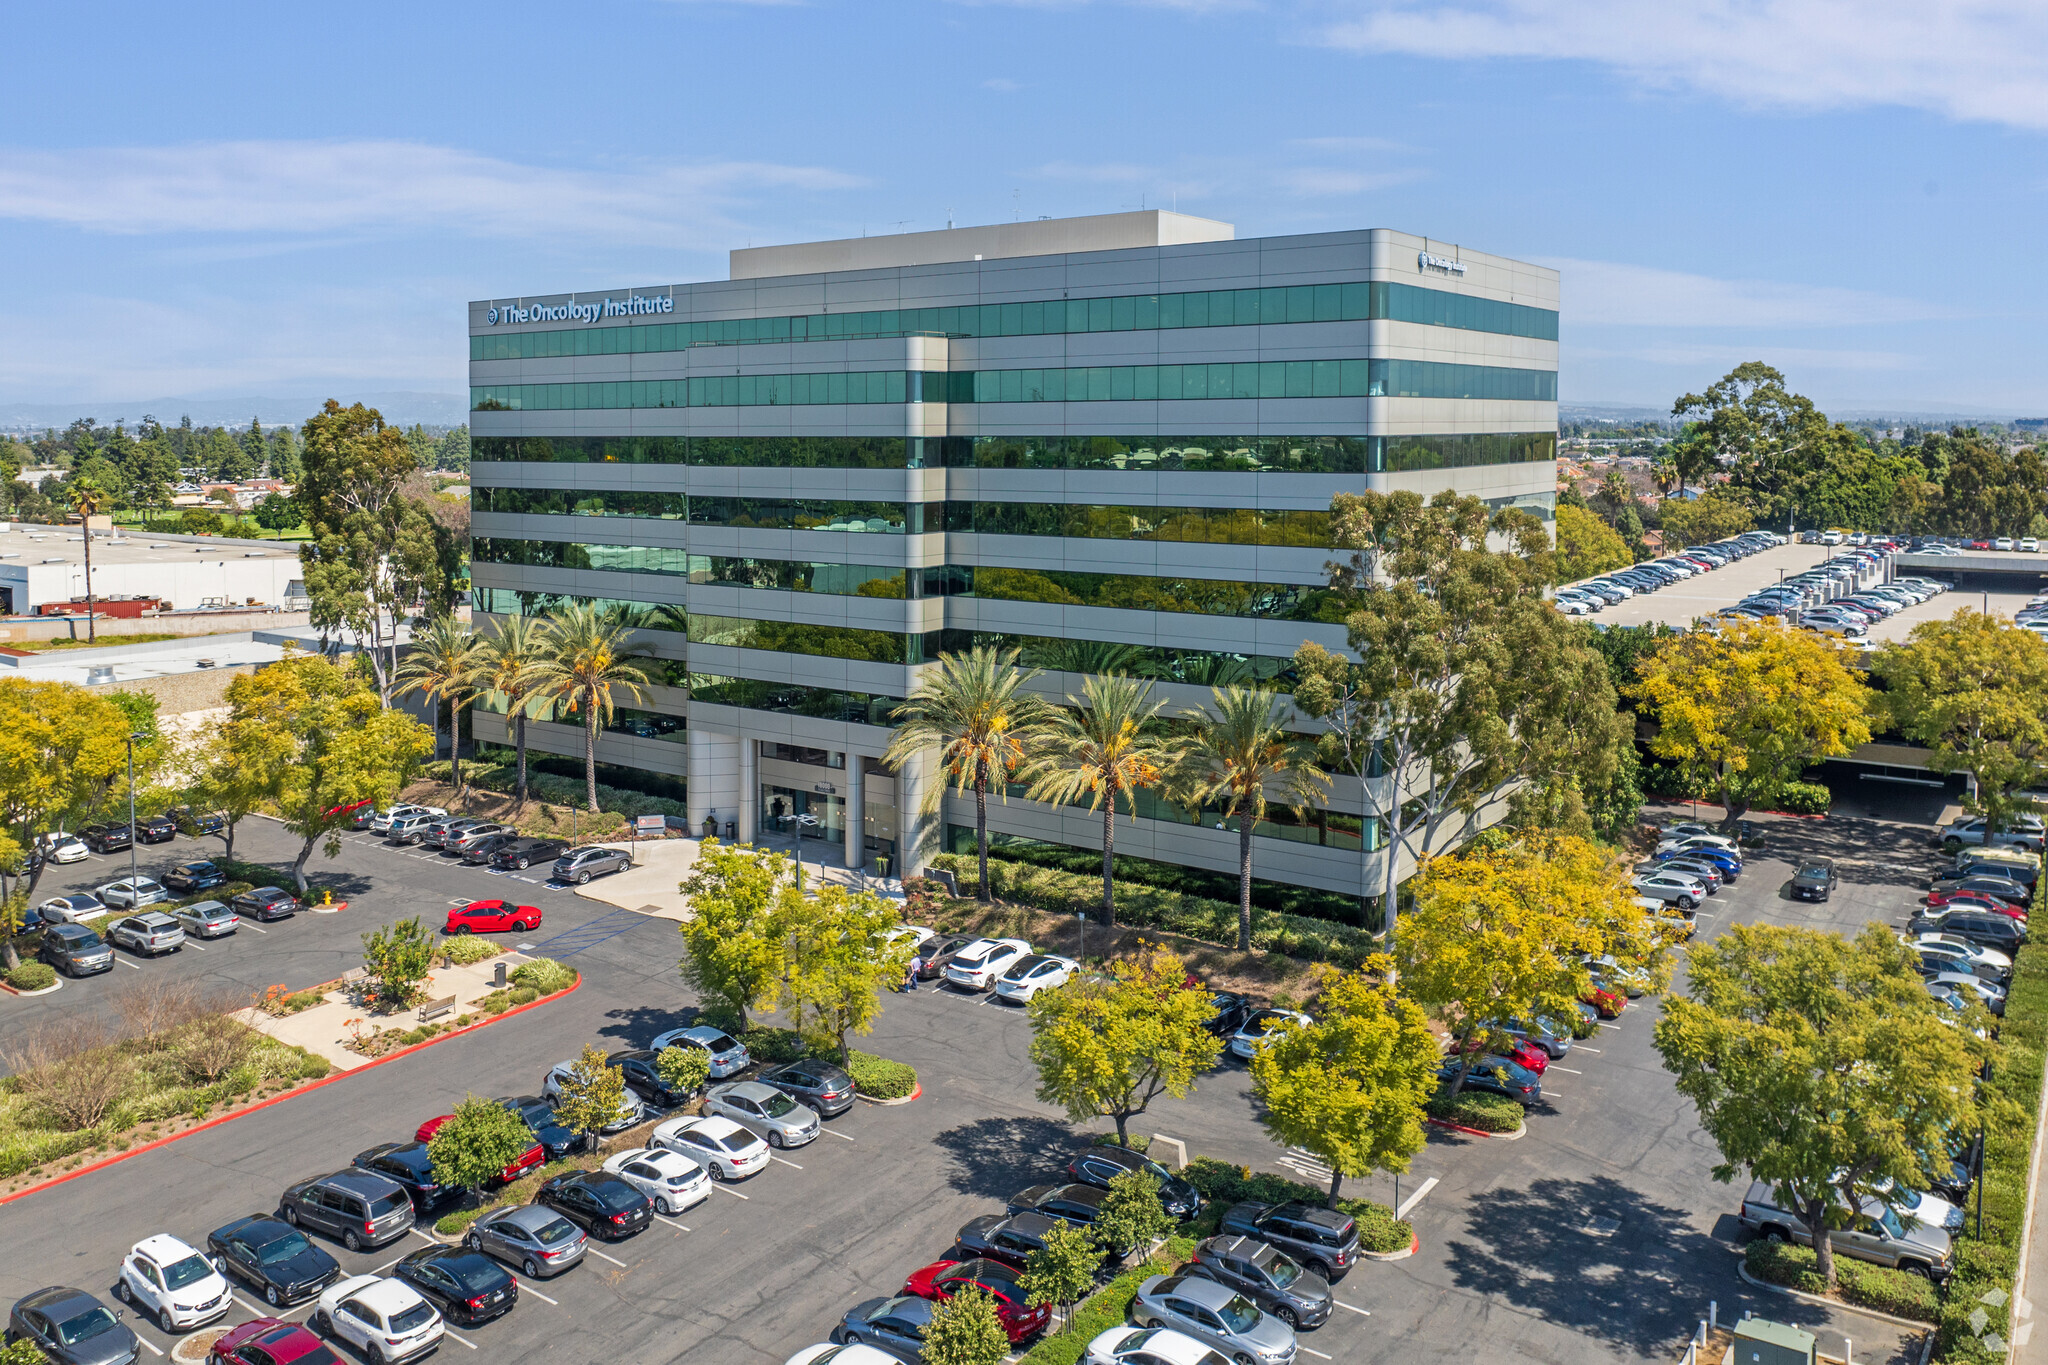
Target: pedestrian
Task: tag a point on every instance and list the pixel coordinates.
(910, 976)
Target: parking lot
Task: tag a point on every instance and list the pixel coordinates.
(1598, 1236)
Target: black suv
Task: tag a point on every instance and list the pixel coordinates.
(156, 829)
(1985, 928)
(106, 838)
(196, 823)
(1009, 1240)
(361, 1208)
(1099, 1165)
(194, 876)
(1323, 1240)
(521, 854)
(645, 1080)
(406, 1165)
(1815, 880)
(1268, 1277)
(1080, 1205)
(274, 1257)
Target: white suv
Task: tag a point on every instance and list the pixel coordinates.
(166, 1279)
(2021, 831)
(381, 821)
(978, 966)
(386, 1320)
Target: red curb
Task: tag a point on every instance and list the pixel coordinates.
(293, 1093)
(1456, 1128)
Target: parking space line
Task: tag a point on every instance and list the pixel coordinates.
(126, 963)
(526, 1287)
(194, 946)
(734, 1193)
(145, 1342)
(415, 1230)
(1567, 1070)
(1310, 1350)
(1410, 1202)
(252, 1308)
(613, 1259)
(1360, 1311)
(1615, 1027)
(670, 1221)
(791, 1164)
(841, 1136)
(1583, 1048)
(446, 1333)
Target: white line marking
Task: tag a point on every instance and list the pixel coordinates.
(1410, 1202)
(259, 1312)
(152, 1350)
(193, 946)
(257, 927)
(1360, 1311)
(451, 1336)
(613, 1259)
(415, 1231)
(734, 1193)
(791, 1164)
(1583, 1048)
(841, 1136)
(1615, 1027)
(670, 1221)
(1310, 1350)
(526, 1287)
(1567, 1070)
(126, 963)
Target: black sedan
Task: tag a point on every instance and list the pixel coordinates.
(71, 1327)
(1080, 1205)
(547, 1129)
(1009, 1240)
(266, 903)
(821, 1085)
(272, 1257)
(106, 838)
(1099, 1165)
(599, 1202)
(156, 829)
(521, 854)
(407, 1165)
(481, 852)
(467, 1286)
(196, 823)
(645, 1080)
(201, 875)
(1230, 1012)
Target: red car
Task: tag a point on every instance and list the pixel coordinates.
(942, 1279)
(1983, 899)
(532, 1161)
(1980, 544)
(270, 1341)
(492, 917)
(1523, 1053)
(1609, 1004)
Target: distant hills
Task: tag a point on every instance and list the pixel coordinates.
(401, 408)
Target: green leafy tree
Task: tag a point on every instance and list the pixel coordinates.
(441, 664)
(733, 945)
(1108, 1048)
(1749, 420)
(1061, 1272)
(1107, 745)
(1587, 546)
(476, 1144)
(1350, 1087)
(1239, 751)
(152, 473)
(285, 461)
(452, 452)
(1818, 1065)
(685, 1069)
(966, 1330)
(592, 1096)
(1750, 706)
(278, 513)
(1709, 517)
(508, 675)
(1132, 1216)
(591, 661)
(398, 958)
(62, 749)
(973, 709)
(838, 961)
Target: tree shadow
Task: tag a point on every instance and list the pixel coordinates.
(634, 1025)
(996, 1157)
(1601, 1259)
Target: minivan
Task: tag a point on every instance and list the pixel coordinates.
(362, 1209)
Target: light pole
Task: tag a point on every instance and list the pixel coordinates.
(1081, 953)
(131, 804)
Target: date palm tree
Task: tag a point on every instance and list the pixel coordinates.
(1107, 745)
(507, 670)
(88, 499)
(972, 708)
(1239, 750)
(590, 662)
(441, 665)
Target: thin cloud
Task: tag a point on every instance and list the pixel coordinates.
(299, 188)
(1316, 182)
(1701, 357)
(1616, 294)
(1978, 60)
(1002, 85)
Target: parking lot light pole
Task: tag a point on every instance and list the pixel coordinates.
(131, 805)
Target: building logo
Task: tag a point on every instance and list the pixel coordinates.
(633, 305)
(1442, 265)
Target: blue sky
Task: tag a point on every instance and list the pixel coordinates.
(215, 200)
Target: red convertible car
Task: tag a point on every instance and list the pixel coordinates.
(492, 917)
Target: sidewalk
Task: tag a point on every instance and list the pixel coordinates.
(323, 1028)
(653, 886)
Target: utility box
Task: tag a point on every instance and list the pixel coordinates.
(1760, 1342)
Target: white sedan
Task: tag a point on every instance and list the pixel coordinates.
(1035, 973)
(166, 1279)
(1258, 1024)
(916, 935)
(386, 1320)
(130, 895)
(75, 908)
(65, 848)
(672, 1181)
(1127, 1345)
(857, 1353)
(978, 966)
(723, 1148)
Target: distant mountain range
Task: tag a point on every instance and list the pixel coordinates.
(1901, 416)
(399, 408)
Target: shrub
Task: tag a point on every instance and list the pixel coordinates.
(1378, 1229)
(1477, 1109)
(879, 1078)
(1857, 1282)
(398, 958)
(32, 976)
(1138, 1143)
(684, 1068)
(525, 995)
(477, 1142)
(552, 790)
(312, 1067)
(465, 949)
(1804, 798)
(544, 976)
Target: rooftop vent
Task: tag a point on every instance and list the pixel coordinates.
(99, 673)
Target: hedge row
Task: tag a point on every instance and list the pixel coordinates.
(1107, 1307)
(1148, 907)
(1378, 1229)
(1480, 1109)
(1858, 1282)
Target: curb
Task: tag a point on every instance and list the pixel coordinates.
(869, 1100)
(289, 1094)
(50, 989)
(1747, 1278)
(1414, 1245)
(1517, 1135)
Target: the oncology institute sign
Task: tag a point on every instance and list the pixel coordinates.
(633, 305)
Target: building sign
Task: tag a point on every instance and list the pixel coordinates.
(633, 305)
(1442, 265)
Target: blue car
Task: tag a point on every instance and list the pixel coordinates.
(1725, 859)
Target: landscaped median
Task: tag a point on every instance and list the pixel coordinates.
(1108, 1307)
(1856, 1282)
(875, 1078)
(1479, 1111)
(1380, 1233)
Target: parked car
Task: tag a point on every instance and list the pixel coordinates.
(156, 829)
(1524, 1054)
(2021, 831)
(266, 903)
(941, 1280)
(106, 838)
(131, 894)
(1099, 1165)
(822, 1086)
(1497, 1075)
(1268, 1276)
(1962, 955)
(75, 950)
(438, 832)
(1997, 883)
(1875, 1234)
(273, 1258)
(579, 865)
(645, 1080)
(547, 1130)
(532, 1237)
(1985, 927)
(385, 1319)
(1553, 1037)
(520, 854)
(408, 1166)
(464, 1286)
(380, 821)
(728, 1054)
(1228, 1012)
(672, 1182)
(71, 1327)
(362, 1209)
(151, 934)
(896, 1325)
(483, 850)
(207, 919)
(725, 1150)
(1125, 1345)
(199, 875)
(492, 917)
(1032, 974)
(1008, 1238)
(1257, 1024)
(532, 1159)
(1699, 869)
(465, 840)
(1208, 1311)
(937, 953)
(1815, 879)
(1976, 899)
(766, 1110)
(71, 909)
(630, 1112)
(601, 1203)
(64, 848)
(194, 823)
(1080, 1205)
(163, 1278)
(1684, 891)
(978, 966)
(408, 829)
(271, 1341)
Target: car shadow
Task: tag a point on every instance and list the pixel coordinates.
(996, 1157)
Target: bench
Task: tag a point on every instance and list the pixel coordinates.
(353, 975)
(434, 1008)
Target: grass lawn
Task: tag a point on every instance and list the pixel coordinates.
(146, 637)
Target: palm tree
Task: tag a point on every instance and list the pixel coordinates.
(87, 498)
(973, 709)
(441, 664)
(590, 660)
(506, 669)
(1238, 750)
(1109, 745)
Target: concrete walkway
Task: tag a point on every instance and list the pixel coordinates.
(653, 886)
(323, 1028)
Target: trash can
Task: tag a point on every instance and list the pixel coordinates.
(732, 831)
(498, 977)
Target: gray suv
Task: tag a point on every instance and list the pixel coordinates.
(362, 1209)
(1323, 1240)
(579, 865)
(1877, 1234)
(75, 950)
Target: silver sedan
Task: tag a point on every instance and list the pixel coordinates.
(533, 1237)
(766, 1110)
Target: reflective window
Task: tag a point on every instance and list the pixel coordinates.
(861, 708)
(796, 637)
(1203, 596)
(1205, 525)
